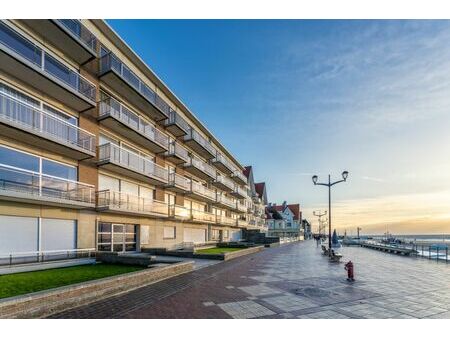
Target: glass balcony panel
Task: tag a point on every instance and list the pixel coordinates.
(80, 31)
(20, 181)
(22, 114)
(20, 45)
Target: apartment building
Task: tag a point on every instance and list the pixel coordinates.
(97, 152)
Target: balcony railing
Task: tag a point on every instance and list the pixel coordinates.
(240, 191)
(224, 161)
(24, 116)
(110, 61)
(225, 181)
(46, 63)
(202, 166)
(203, 216)
(23, 183)
(112, 153)
(241, 222)
(238, 174)
(195, 136)
(120, 201)
(176, 119)
(175, 149)
(222, 199)
(80, 32)
(179, 211)
(225, 220)
(241, 207)
(132, 120)
(179, 181)
(200, 189)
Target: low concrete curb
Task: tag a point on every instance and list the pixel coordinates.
(230, 255)
(44, 303)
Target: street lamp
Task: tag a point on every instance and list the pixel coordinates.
(329, 185)
(320, 214)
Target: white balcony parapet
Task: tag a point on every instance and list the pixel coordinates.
(200, 189)
(179, 180)
(27, 117)
(109, 152)
(119, 201)
(203, 216)
(225, 181)
(45, 63)
(222, 199)
(202, 166)
(25, 184)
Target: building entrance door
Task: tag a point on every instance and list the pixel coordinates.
(116, 237)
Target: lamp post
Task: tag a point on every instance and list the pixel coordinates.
(329, 185)
(319, 214)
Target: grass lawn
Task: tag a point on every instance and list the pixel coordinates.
(217, 250)
(26, 282)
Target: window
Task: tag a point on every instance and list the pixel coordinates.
(169, 233)
(19, 159)
(108, 183)
(59, 170)
(225, 234)
(63, 116)
(215, 234)
(116, 237)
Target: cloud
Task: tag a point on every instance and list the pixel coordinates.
(374, 179)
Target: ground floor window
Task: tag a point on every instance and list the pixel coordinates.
(225, 234)
(169, 233)
(215, 235)
(116, 237)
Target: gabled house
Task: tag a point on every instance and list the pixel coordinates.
(284, 220)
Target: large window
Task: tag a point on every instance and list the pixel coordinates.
(15, 159)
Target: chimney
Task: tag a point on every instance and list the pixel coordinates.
(284, 204)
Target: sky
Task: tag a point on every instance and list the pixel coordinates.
(294, 98)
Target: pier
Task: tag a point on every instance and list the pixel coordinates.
(389, 248)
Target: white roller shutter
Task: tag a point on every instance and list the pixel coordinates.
(235, 235)
(18, 234)
(58, 234)
(195, 236)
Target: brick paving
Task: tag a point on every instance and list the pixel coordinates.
(291, 281)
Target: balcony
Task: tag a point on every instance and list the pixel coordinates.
(242, 223)
(28, 187)
(239, 192)
(31, 64)
(179, 212)
(225, 220)
(223, 164)
(178, 183)
(125, 162)
(225, 201)
(239, 177)
(118, 202)
(68, 35)
(176, 125)
(177, 154)
(127, 84)
(29, 124)
(241, 207)
(200, 192)
(203, 216)
(198, 168)
(130, 125)
(223, 183)
(199, 144)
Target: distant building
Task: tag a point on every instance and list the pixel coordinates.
(307, 229)
(284, 221)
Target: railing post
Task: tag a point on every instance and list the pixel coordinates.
(10, 259)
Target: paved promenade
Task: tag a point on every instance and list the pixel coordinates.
(291, 281)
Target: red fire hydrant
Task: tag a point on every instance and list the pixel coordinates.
(349, 268)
